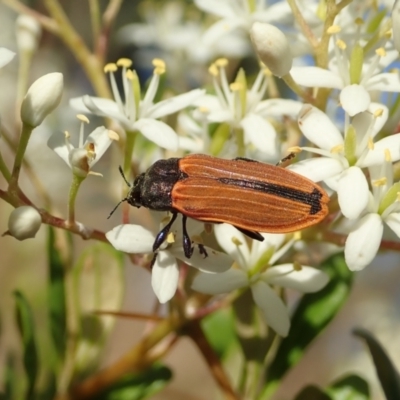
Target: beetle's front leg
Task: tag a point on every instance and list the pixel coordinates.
(187, 243)
(161, 236)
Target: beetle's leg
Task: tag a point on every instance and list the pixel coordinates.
(251, 234)
(203, 250)
(164, 232)
(153, 260)
(287, 158)
(245, 159)
(187, 243)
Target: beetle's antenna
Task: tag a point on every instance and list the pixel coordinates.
(125, 199)
(123, 176)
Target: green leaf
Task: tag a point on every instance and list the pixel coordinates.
(98, 286)
(351, 387)
(312, 393)
(387, 373)
(10, 380)
(312, 315)
(56, 295)
(27, 330)
(219, 329)
(139, 386)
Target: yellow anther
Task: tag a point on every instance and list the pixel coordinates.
(333, 29)
(358, 21)
(341, 44)
(388, 34)
(295, 149)
(124, 62)
(398, 196)
(380, 52)
(221, 62)
(170, 238)
(110, 67)
(297, 235)
(337, 149)
(236, 241)
(378, 112)
(380, 182)
(83, 118)
(371, 144)
(266, 71)
(113, 135)
(236, 86)
(159, 70)
(159, 63)
(203, 109)
(67, 135)
(388, 156)
(129, 74)
(213, 70)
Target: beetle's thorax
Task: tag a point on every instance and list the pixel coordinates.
(152, 189)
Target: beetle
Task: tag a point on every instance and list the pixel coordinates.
(252, 196)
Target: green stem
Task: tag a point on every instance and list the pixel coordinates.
(73, 191)
(288, 79)
(129, 147)
(95, 18)
(240, 142)
(4, 170)
(22, 145)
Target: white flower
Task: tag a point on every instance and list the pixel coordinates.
(42, 98)
(272, 48)
(255, 271)
(85, 156)
(243, 108)
(135, 114)
(396, 25)
(5, 56)
(24, 222)
(364, 240)
(28, 33)
(165, 271)
(356, 74)
(240, 15)
(343, 158)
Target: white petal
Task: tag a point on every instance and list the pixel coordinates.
(131, 238)
(215, 262)
(354, 99)
(306, 280)
(224, 8)
(260, 133)
(102, 141)
(363, 242)
(385, 82)
(318, 128)
(221, 28)
(5, 56)
(193, 146)
(396, 24)
(173, 104)
(353, 192)
(158, 132)
(165, 276)
(393, 221)
(377, 155)
(224, 282)
(57, 143)
(278, 108)
(224, 234)
(273, 308)
(317, 169)
(316, 77)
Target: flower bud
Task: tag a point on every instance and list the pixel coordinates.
(396, 25)
(28, 33)
(42, 98)
(24, 222)
(272, 47)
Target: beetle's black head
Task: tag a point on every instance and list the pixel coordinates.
(134, 197)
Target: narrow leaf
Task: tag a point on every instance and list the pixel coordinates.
(27, 330)
(387, 373)
(312, 393)
(312, 315)
(351, 387)
(56, 295)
